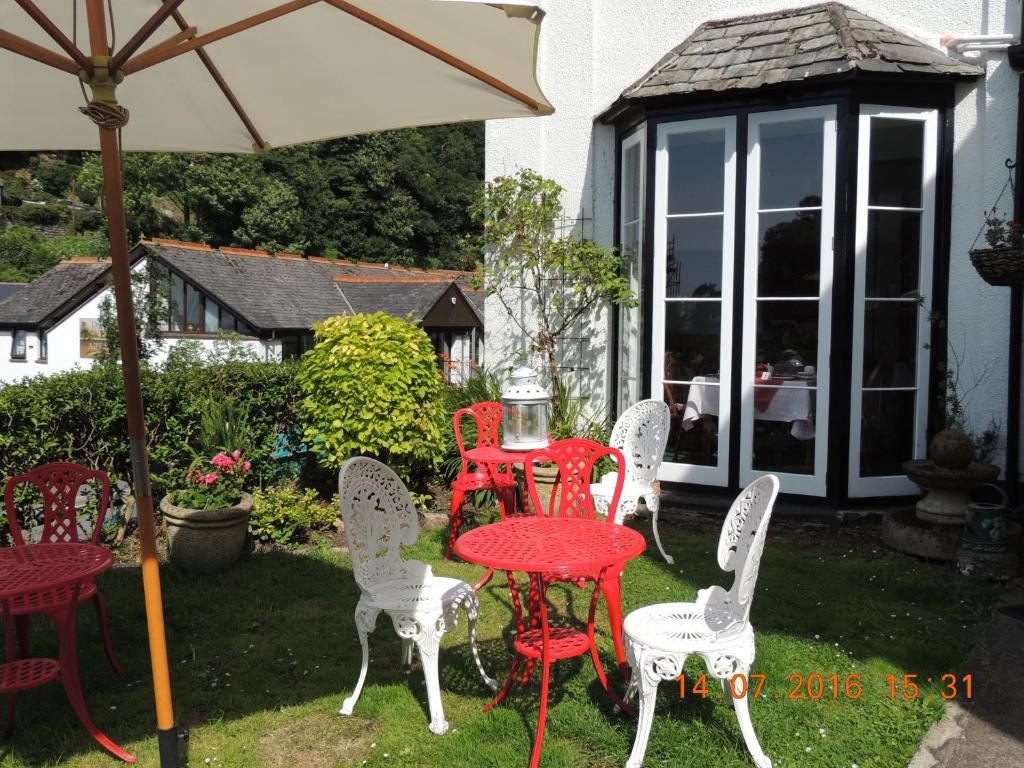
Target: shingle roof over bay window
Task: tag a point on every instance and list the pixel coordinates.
(819, 41)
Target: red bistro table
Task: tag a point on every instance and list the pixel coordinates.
(49, 577)
(550, 545)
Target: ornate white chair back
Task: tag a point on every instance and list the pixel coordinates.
(641, 433)
(379, 518)
(742, 542)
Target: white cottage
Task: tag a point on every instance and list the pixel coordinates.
(796, 191)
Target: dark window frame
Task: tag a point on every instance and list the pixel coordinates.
(16, 334)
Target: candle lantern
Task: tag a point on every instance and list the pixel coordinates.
(524, 413)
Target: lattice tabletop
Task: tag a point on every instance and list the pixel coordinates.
(42, 567)
(550, 544)
(494, 454)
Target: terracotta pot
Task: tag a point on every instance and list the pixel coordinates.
(206, 540)
(951, 449)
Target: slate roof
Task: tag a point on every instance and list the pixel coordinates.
(286, 292)
(795, 45)
(58, 289)
(9, 289)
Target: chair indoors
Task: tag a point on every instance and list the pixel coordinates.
(660, 637)
(59, 484)
(379, 517)
(472, 477)
(641, 433)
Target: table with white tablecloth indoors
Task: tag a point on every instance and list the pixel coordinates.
(792, 401)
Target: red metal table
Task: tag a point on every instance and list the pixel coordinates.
(550, 545)
(50, 577)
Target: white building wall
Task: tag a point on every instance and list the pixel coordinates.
(64, 347)
(591, 50)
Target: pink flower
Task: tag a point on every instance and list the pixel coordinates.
(222, 460)
(237, 454)
(211, 478)
(247, 465)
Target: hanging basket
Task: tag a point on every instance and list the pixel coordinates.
(999, 266)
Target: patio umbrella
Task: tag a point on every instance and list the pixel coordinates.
(242, 76)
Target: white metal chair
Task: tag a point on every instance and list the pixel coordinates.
(641, 433)
(379, 518)
(660, 637)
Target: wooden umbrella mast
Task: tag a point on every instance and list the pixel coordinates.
(103, 85)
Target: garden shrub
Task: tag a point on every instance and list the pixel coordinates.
(79, 416)
(371, 387)
(282, 514)
(40, 214)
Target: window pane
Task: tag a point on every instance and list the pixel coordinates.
(192, 307)
(227, 320)
(693, 437)
(787, 336)
(696, 172)
(212, 316)
(177, 304)
(886, 432)
(692, 339)
(18, 345)
(91, 338)
(897, 162)
(790, 254)
(693, 257)
(631, 184)
(893, 255)
(245, 329)
(890, 343)
(791, 163)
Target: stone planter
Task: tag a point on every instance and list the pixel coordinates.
(206, 540)
(544, 475)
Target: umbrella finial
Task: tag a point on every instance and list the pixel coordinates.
(103, 108)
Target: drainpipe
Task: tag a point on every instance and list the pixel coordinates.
(1015, 57)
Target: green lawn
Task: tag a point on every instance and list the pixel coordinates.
(263, 655)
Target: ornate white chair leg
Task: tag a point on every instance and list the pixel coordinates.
(472, 607)
(653, 502)
(651, 668)
(429, 643)
(727, 692)
(742, 709)
(406, 659)
(366, 620)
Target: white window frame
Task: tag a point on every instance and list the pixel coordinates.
(670, 471)
(636, 138)
(892, 485)
(815, 484)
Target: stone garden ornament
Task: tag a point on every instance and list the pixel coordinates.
(641, 433)
(379, 519)
(660, 637)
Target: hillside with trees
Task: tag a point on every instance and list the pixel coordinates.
(403, 197)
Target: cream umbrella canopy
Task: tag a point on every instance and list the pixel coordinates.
(242, 76)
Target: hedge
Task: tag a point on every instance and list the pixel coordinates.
(80, 416)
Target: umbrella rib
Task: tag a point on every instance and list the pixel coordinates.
(30, 50)
(54, 32)
(149, 58)
(145, 32)
(222, 84)
(433, 50)
(178, 37)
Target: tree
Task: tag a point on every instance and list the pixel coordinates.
(150, 293)
(562, 278)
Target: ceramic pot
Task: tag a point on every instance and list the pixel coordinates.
(206, 540)
(951, 449)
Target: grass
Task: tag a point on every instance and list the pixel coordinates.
(263, 654)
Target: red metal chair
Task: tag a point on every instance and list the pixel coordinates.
(59, 484)
(473, 477)
(570, 497)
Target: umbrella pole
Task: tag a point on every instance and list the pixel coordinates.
(113, 196)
